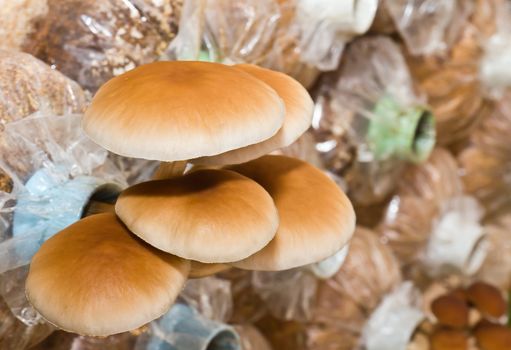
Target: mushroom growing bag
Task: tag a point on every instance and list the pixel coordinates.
(338, 309)
(486, 161)
(93, 40)
(55, 171)
(431, 219)
(297, 37)
(368, 122)
(451, 78)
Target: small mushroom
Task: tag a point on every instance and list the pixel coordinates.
(176, 111)
(208, 215)
(460, 294)
(96, 278)
(450, 311)
(297, 120)
(316, 217)
(493, 336)
(449, 339)
(487, 299)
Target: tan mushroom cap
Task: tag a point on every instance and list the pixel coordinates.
(211, 216)
(316, 217)
(179, 110)
(298, 117)
(96, 278)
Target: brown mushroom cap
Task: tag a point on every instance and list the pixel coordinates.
(316, 217)
(449, 339)
(493, 337)
(487, 299)
(299, 107)
(208, 215)
(179, 110)
(450, 311)
(96, 278)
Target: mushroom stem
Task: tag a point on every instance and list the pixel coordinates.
(199, 270)
(98, 207)
(168, 170)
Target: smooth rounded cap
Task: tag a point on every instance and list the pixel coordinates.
(96, 278)
(493, 337)
(449, 339)
(316, 217)
(487, 299)
(181, 110)
(298, 117)
(211, 216)
(450, 311)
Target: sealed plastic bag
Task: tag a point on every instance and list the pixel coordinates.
(61, 340)
(251, 338)
(94, 40)
(496, 268)
(182, 327)
(247, 305)
(287, 294)
(431, 220)
(451, 81)
(368, 121)
(428, 26)
(58, 176)
(338, 310)
(486, 161)
(211, 296)
(297, 37)
(392, 323)
(27, 85)
(494, 69)
(410, 215)
(14, 334)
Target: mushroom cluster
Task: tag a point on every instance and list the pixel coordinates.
(467, 319)
(236, 206)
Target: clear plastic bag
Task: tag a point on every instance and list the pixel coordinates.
(182, 327)
(56, 170)
(248, 307)
(303, 148)
(94, 40)
(298, 37)
(251, 338)
(211, 296)
(14, 334)
(452, 81)
(27, 85)
(369, 272)
(341, 304)
(392, 323)
(61, 340)
(494, 69)
(496, 268)
(457, 244)
(410, 215)
(17, 18)
(288, 295)
(428, 26)
(368, 121)
(486, 161)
